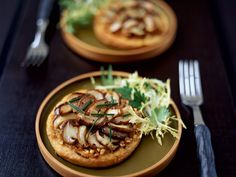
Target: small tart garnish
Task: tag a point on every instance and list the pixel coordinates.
(94, 126)
(130, 19)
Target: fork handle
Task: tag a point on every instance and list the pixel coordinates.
(45, 8)
(205, 151)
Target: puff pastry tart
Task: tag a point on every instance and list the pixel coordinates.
(91, 128)
(130, 24)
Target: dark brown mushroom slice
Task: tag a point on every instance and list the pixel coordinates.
(113, 96)
(121, 128)
(114, 111)
(95, 109)
(121, 120)
(60, 119)
(75, 96)
(73, 122)
(84, 101)
(91, 120)
(62, 109)
(70, 133)
(106, 141)
(114, 134)
(82, 133)
(96, 93)
(93, 142)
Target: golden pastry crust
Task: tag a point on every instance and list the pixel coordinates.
(118, 39)
(77, 155)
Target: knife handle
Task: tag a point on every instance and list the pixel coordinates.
(45, 8)
(205, 151)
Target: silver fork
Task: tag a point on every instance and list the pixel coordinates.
(191, 95)
(38, 50)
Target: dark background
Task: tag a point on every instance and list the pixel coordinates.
(223, 13)
(206, 30)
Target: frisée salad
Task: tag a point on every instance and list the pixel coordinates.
(149, 101)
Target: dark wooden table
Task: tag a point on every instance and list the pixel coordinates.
(22, 90)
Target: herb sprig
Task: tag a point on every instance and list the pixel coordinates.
(101, 114)
(107, 79)
(138, 97)
(87, 104)
(75, 107)
(106, 105)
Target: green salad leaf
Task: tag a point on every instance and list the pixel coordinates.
(80, 12)
(149, 101)
(138, 97)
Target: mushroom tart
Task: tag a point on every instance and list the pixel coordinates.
(129, 24)
(91, 128)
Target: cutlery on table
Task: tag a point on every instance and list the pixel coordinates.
(191, 95)
(38, 50)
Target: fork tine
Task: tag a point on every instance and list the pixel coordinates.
(36, 59)
(181, 77)
(26, 62)
(27, 58)
(186, 79)
(40, 61)
(191, 78)
(31, 59)
(197, 78)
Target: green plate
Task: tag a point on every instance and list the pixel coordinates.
(148, 158)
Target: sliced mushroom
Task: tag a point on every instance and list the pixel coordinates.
(106, 141)
(124, 103)
(62, 109)
(133, 13)
(130, 3)
(96, 93)
(115, 26)
(121, 120)
(94, 108)
(130, 23)
(112, 95)
(149, 23)
(117, 7)
(91, 120)
(114, 111)
(60, 119)
(70, 133)
(115, 134)
(83, 101)
(75, 95)
(93, 142)
(121, 128)
(148, 6)
(136, 31)
(141, 13)
(82, 132)
(110, 14)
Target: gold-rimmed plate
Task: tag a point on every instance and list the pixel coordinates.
(147, 160)
(84, 42)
